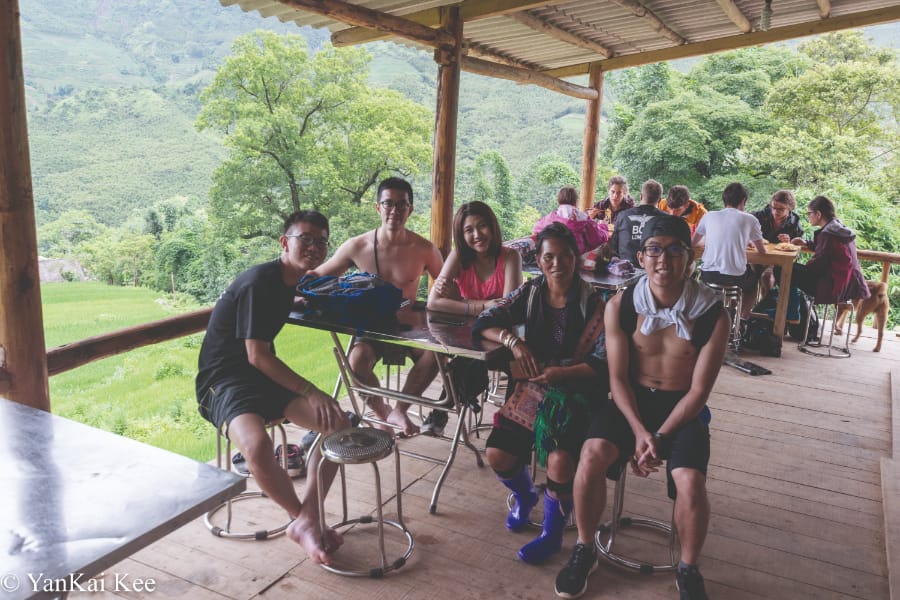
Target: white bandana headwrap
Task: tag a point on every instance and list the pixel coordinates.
(695, 300)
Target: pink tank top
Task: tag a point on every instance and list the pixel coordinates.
(472, 288)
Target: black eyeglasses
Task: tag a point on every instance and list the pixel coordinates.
(389, 205)
(676, 250)
(307, 239)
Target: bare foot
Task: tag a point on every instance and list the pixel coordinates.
(382, 412)
(308, 536)
(398, 418)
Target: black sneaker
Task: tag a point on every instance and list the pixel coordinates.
(308, 440)
(240, 464)
(435, 423)
(295, 465)
(690, 584)
(573, 578)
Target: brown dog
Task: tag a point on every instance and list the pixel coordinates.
(877, 304)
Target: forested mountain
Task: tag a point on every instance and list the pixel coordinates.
(112, 92)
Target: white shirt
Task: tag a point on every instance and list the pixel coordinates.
(726, 235)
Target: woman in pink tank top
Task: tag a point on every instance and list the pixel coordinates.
(479, 270)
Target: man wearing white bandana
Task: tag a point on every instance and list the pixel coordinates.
(665, 341)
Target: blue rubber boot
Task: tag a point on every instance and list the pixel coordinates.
(549, 542)
(525, 497)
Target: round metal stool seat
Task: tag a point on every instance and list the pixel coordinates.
(608, 530)
(355, 446)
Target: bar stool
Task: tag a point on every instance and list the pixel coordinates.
(355, 446)
(611, 528)
(226, 532)
(818, 347)
(733, 297)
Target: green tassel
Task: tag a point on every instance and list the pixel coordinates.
(554, 418)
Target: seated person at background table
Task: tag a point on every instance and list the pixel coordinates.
(400, 257)
(617, 200)
(779, 223)
(678, 202)
(665, 341)
(555, 308)
(588, 233)
(626, 239)
(833, 273)
(242, 385)
(725, 235)
(477, 272)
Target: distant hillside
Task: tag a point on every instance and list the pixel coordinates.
(112, 93)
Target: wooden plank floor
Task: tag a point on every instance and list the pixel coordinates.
(794, 481)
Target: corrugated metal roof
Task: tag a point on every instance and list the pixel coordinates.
(609, 23)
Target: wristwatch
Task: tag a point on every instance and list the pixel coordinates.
(659, 435)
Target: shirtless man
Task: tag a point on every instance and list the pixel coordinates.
(242, 385)
(665, 341)
(400, 257)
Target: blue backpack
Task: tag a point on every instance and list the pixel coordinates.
(358, 299)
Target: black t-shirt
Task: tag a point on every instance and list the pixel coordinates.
(255, 306)
(626, 240)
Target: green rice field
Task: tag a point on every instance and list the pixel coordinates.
(148, 394)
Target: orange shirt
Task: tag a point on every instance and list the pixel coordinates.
(693, 215)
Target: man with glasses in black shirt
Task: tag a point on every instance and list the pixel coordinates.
(242, 385)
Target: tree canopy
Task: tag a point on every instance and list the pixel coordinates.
(303, 131)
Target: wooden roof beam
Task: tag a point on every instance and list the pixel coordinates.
(373, 19)
(519, 75)
(469, 10)
(824, 8)
(480, 50)
(639, 10)
(733, 12)
(744, 40)
(542, 26)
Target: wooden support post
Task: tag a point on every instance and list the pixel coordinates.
(444, 170)
(22, 354)
(589, 143)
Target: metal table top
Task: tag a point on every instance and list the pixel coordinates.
(77, 500)
(417, 328)
(603, 281)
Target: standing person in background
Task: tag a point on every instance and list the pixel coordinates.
(477, 273)
(626, 239)
(617, 200)
(588, 233)
(678, 202)
(779, 223)
(400, 257)
(725, 235)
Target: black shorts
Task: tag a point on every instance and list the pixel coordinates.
(390, 354)
(747, 282)
(689, 444)
(222, 402)
(517, 440)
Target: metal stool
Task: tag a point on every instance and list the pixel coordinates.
(733, 296)
(358, 446)
(610, 529)
(226, 532)
(819, 348)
